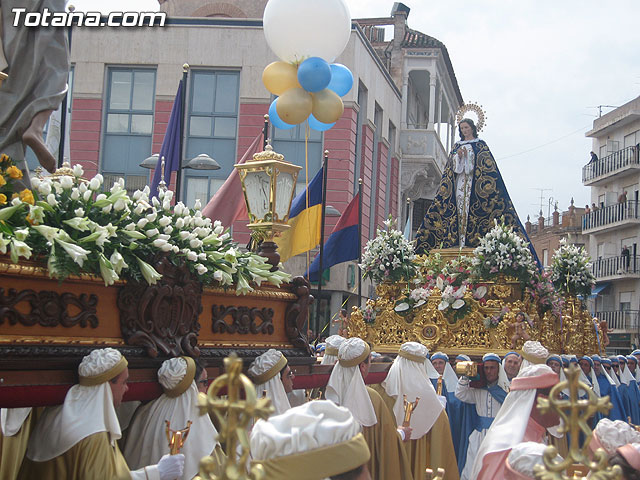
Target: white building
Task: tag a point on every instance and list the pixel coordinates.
(614, 179)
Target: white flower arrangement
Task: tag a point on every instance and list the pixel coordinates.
(502, 251)
(389, 256)
(82, 230)
(571, 270)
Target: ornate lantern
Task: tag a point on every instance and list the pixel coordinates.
(268, 183)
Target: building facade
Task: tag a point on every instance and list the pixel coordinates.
(613, 223)
(397, 126)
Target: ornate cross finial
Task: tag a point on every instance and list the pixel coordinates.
(234, 417)
(575, 414)
(409, 407)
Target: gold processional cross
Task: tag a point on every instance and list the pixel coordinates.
(234, 417)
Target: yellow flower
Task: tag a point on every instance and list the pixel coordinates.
(14, 172)
(4, 157)
(3, 182)
(3, 199)
(26, 196)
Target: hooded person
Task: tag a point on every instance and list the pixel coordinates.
(16, 425)
(607, 387)
(629, 391)
(333, 343)
(511, 364)
(533, 353)
(610, 435)
(430, 445)
(522, 461)
(346, 388)
(147, 441)
(636, 353)
(607, 366)
(462, 416)
(487, 400)
(518, 421)
(77, 440)
(317, 440)
(628, 458)
(266, 372)
(615, 366)
(632, 364)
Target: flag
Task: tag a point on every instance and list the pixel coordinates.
(228, 205)
(171, 148)
(305, 222)
(342, 244)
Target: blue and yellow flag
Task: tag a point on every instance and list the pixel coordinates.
(305, 221)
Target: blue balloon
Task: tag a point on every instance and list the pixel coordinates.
(275, 120)
(314, 74)
(341, 79)
(319, 126)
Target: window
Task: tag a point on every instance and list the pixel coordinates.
(375, 166)
(392, 146)
(128, 125)
(632, 139)
(625, 300)
(291, 144)
(362, 117)
(211, 128)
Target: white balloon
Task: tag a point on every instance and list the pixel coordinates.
(299, 29)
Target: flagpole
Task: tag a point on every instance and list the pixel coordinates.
(322, 215)
(63, 109)
(359, 242)
(265, 131)
(185, 72)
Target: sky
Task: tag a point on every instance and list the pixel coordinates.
(538, 68)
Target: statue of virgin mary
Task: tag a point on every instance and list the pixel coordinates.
(470, 197)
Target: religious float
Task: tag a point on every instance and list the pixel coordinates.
(82, 268)
(476, 285)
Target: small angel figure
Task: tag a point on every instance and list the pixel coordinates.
(520, 327)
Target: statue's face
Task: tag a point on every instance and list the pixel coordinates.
(467, 131)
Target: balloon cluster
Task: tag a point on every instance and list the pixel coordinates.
(307, 85)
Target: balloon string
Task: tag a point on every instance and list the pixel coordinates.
(306, 174)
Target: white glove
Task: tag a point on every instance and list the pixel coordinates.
(443, 400)
(171, 467)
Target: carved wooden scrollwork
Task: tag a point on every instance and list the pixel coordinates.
(162, 318)
(245, 320)
(297, 314)
(48, 308)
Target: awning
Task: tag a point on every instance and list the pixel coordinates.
(596, 289)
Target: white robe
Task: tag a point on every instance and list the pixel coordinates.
(486, 406)
(463, 168)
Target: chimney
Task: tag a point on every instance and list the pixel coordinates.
(527, 225)
(540, 222)
(556, 216)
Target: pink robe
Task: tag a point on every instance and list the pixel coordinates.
(494, 463)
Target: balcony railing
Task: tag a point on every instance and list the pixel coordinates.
(611, 214)
(620, 319)
(611, 163)
(616, 266)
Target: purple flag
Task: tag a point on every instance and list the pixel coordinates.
(171, 148)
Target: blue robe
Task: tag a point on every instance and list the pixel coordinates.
(489, 201)
(462, 420)
(618, 411)
(631, 399)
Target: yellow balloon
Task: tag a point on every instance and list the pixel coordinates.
(294, 106)
(327, 106)
(279, 77)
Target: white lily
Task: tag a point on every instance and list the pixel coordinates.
(76, 252)
(117, 261)
(107, 271)
(19, 249)
(148, 272)
(4, 242)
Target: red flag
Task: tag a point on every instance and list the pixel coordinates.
(227, 204)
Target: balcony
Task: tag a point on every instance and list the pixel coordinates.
(423, 143)
(620, 319)
(616, 268)
(617, 164)
(613, 216)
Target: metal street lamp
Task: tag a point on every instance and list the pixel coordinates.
(331, 211)
(202, 162)
(268, 183)
(150, 162)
